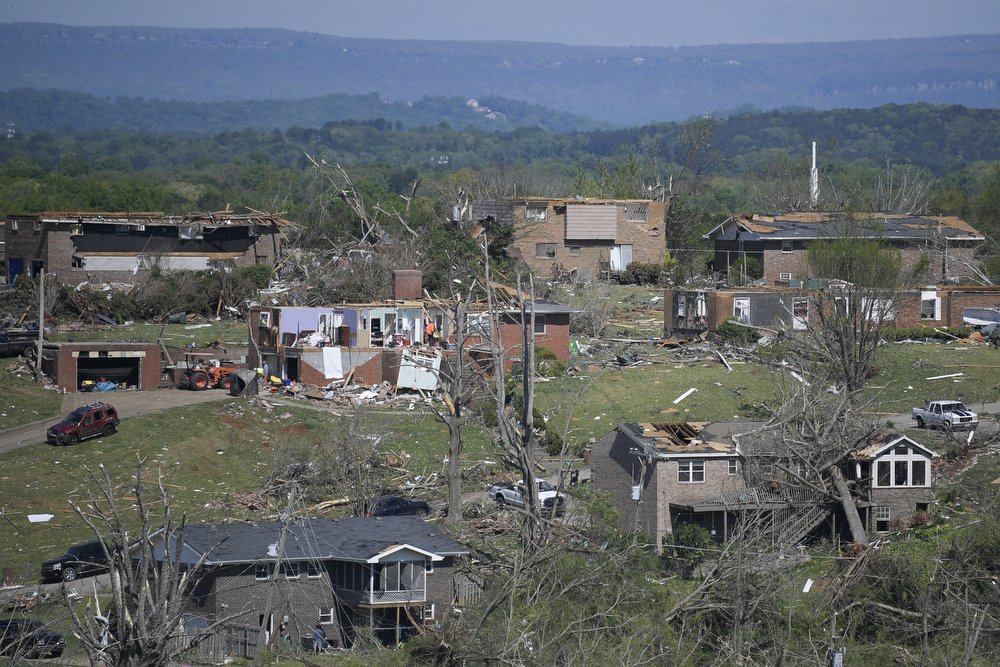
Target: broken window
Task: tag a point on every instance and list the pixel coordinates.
(264, 319)
(636, 212)
(800, 312)
(876, 310)
(79, 262)
(930, 305)
(681, 306)
(37, 226)
(535, 212)
(546, 250)
(574, 250)
(189, 232)
(478, 324)
(882, 516)
(691, 471)
(741, 309)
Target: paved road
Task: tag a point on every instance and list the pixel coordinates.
(127, 403)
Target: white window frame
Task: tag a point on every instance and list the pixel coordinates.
(877, 310)
(13, 225)
(787, 246)
(692, 468)
(429, 566)
(427, 612)
(536, 212)
(478, 324)
(326, 615)
(882, 514)
(910, 457)
(264, 318)
(802, 322)
(741, 309)
(930, 296)
(313, 570)
(291, 569)
(260, 568)
(734, 467)
(785, 275)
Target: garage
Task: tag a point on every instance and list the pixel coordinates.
(129, 365)
(120, 370)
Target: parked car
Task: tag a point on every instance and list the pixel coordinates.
(88, 421)
(17, 341)
(949, 415)
(505, 493)
(80, 560)
(26, 638)
(396, 506)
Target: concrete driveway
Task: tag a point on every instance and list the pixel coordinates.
(127, 403)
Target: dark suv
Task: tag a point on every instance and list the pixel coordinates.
(22, 637)
(88, 421)
(80, 560)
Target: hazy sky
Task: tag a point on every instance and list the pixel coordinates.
(593, 22)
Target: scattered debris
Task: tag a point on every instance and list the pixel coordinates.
(685, 395)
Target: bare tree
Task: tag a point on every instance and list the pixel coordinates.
(143, 543)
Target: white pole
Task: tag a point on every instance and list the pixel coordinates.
(41, 324)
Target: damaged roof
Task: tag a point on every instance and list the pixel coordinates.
(887, 440)
(668, 440)
(832, 224)
(204, 219)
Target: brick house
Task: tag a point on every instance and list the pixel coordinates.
(117, 247)
(894, 474)
(380, 573)
(591, 237)
(779, 242)
(794, 307)
(662, 476)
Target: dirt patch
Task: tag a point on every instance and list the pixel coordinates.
(295, 429)
(235, 422)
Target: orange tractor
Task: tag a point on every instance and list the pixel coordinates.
(203, 374)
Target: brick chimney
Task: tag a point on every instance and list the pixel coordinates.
(407, 285)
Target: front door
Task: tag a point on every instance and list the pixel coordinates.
(621, 257)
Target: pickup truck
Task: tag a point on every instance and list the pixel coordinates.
(15, 341)
(505, 493)
(950, 415)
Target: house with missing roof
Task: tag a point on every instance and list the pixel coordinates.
(662, 476)
(385, 574)
(586, 237)
(779, 242)
(119, 246)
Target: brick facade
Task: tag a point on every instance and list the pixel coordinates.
(63, 362)
(588, 257)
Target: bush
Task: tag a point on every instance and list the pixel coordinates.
(732, 332)
(260, 274)
(639, 273)
(920, 331)
(745, 270)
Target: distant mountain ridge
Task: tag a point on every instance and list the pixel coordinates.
(623, 86)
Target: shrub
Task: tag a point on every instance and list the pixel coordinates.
(260, 274)
(745, 270)
(640, 273)
(732, 332)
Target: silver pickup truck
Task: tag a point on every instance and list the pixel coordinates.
(550, 500)
(949, 415)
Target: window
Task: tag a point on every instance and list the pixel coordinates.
(37, 226)
(326, 616)
(636, 212)
(876, 310)
(535, 212)
(918, 473)
(545, 250)
(785, 275)
(427, 612)
(539, 324)
(574, 250)
(121, 230)
(741, 309)
(429, 566)
(313, 570)
(800, 312)
(264, 319)
(478, 324)
(76, 230)
(291, 569)
(691, 471)
(883, 474)
(786, 246)
(79, 262)
(882, 516)
(262, 572)
(930, 305)
(899, 476)
(903, 466)
(734, 466)
(13, 225)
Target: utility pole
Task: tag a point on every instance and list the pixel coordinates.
(41, 325)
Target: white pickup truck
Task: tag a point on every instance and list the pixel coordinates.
(950, 415)
(505, 493)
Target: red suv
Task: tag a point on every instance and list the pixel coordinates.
(88, 421)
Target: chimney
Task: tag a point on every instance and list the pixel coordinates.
(407, 285)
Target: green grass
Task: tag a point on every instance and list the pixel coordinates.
(597, 399)
(22, 401)
(174, 335)
(901, 382)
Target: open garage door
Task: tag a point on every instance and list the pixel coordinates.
(114, 369)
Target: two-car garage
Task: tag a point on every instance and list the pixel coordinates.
(127, 365)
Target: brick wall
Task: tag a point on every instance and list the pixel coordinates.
(648, 241)
(150, 365)
(902, 504)
(406, 285)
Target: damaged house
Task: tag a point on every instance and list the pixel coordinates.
(590, 238)
(662, 476)
(116, 247)
(777, 243)
(385, 574)
(387, 341)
